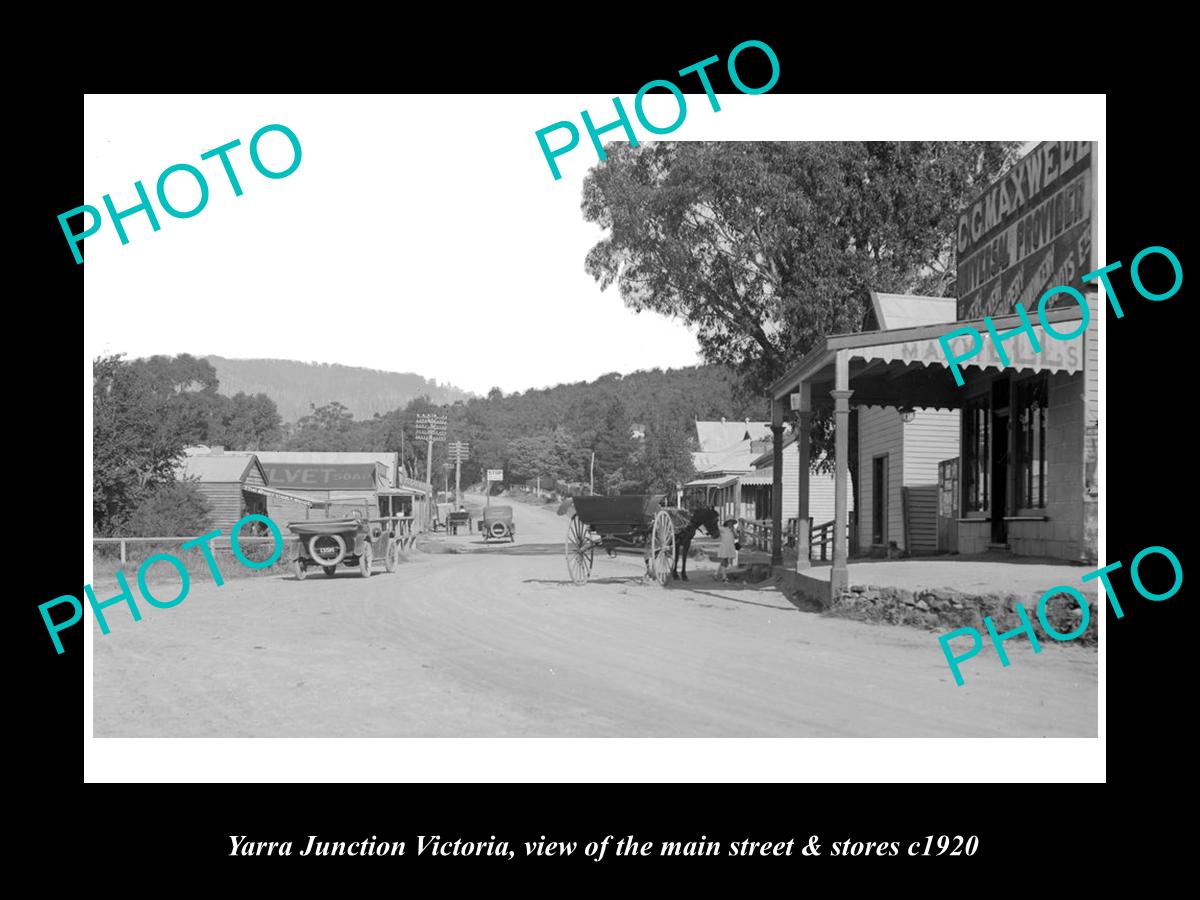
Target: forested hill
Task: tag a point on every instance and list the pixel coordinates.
(295, 385)
(675, 396)
(549, 432)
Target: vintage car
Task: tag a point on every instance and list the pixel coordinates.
(497, 524)
(353, 541)
(457, 519)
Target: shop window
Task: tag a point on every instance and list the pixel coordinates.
(976, 418)
(1031, 443)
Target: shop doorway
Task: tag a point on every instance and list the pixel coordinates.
(879, 504)
(1000, 475)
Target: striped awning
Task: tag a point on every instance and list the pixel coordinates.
(271, 492)
(717, 482)
(761, 476)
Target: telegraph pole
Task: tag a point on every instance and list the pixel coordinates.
(430, 427)
(459, 452)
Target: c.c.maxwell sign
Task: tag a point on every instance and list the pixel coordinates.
(1031, 229)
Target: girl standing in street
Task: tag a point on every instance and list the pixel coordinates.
(725, 549)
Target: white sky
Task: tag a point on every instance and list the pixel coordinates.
(419, 234)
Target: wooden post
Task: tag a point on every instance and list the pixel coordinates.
(840, 576)
(777, 482)
(122, 553)
(804, 450)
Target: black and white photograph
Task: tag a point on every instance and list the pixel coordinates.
(423, 424)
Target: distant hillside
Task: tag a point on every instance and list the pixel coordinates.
(294, 385)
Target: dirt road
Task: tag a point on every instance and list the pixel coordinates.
(497, 642)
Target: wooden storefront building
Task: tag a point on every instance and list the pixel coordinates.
(1028, 412)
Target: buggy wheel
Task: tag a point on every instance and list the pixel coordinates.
(298, 570)
(393, 557)
(579, 551)
(329, 570)
(662, 547)
(364, 562)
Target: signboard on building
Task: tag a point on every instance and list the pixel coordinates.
(308, 476)
(403, 481)
(1030, 231)
(495, 474)
(1051, 356)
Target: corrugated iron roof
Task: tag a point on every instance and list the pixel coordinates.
(911, 310)
(321, 457)
(721, 436)
(737, 459)
(723, 481)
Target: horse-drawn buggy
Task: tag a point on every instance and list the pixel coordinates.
(350, 539)
(497, 524)
(641, 521)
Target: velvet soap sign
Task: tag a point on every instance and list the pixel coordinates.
(340, 476)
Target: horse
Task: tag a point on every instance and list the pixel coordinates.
(705, 517)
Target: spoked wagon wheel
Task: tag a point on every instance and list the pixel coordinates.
(579, 551)
(662, 547)
(298, 570)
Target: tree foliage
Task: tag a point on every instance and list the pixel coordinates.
(328, 427)
(144, 413)
(169, 510)
(512, 431)
(549, 455)
(662, 460)
(135, 442)
(765, 247)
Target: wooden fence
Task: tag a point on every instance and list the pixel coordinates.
(756, 534)
(404, 534)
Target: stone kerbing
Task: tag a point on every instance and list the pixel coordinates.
(943, 609)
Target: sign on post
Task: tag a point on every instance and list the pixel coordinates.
(495, 474)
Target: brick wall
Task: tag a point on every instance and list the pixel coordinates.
(1062, 536)
(973, 537)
